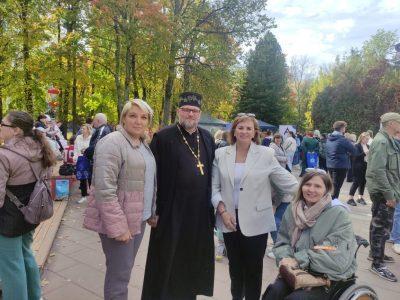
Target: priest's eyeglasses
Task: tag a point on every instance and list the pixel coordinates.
(189, 110)
(246, 115)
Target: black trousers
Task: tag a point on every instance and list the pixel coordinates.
(280, 290)
(245, 256)
(380, 227)
(322, 163)
(83, 186)
(338, 176)
(358, 180)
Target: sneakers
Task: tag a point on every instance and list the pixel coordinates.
(269, 253)
(396, 248)
(386, 258)
(82, 200)
(362, 201)
(220, 251)
(351, 202)
(382, 271)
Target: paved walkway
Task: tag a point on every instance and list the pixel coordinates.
(76, 265)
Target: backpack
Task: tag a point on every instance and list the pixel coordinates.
(40, 204)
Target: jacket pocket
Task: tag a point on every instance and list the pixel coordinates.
(263, 205)
(393, 161)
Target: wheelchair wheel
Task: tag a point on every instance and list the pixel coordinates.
(359, 292)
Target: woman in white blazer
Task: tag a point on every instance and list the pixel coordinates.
(241, 193)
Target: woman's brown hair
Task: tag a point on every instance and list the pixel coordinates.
(24, 121)
(277, 135)
(239, 119)
(307, 177)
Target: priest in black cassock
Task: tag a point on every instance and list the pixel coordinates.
(180, 259)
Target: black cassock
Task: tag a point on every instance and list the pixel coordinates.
(180, 259)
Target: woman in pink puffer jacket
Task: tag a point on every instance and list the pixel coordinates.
(123, 195)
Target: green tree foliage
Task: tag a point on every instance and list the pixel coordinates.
(265, 91)
(100, 53)
(359, 87)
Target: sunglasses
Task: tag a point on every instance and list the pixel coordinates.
(246, 115)
(316, 170)
(6, 125)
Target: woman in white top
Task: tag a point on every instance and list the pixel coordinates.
(80, 145)
(241, 192)
(82, 141)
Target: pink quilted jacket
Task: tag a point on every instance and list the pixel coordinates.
(116, 199)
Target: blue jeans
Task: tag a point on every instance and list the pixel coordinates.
(18, 269)
(395, 235)
(280, 210)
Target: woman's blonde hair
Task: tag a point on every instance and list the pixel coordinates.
(139, 103)
(362, 135)
(143, 106)
(239, 119)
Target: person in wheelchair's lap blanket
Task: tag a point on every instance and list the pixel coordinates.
(315, 237)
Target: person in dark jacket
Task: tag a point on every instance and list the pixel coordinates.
(322, 152)
(338, 149)
(101, 130)
(359, 167)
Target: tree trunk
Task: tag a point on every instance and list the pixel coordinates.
(169, 85)
(26, 54)
(117, 58)
(74, 96)
(134, 78)
(1, 101)
(128, 66)
(187, 70)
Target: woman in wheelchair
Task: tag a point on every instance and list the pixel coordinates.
(316, 247)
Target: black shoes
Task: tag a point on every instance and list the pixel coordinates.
(362, 201)
(351, 202)
(382, 271)
(386, 259)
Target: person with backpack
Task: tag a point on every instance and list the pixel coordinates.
(25, 160)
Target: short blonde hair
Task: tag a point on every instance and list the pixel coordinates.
(239, 119)
(139, 103)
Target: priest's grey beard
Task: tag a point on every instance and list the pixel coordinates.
(189, 124)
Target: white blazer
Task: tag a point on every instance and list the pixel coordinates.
(255, 205)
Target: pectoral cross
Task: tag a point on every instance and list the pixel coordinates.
(200, 166)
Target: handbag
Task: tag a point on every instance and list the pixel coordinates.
(82, 168)
(297, 278)
(312, 159)
(66, 169)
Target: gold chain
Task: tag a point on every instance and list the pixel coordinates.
(190, 148)
(199, 165)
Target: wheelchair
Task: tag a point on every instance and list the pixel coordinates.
(353, 291)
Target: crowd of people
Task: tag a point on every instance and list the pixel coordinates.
(188, 185)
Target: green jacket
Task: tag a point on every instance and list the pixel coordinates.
(383, 169)
(333, 228)
(309, 144)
